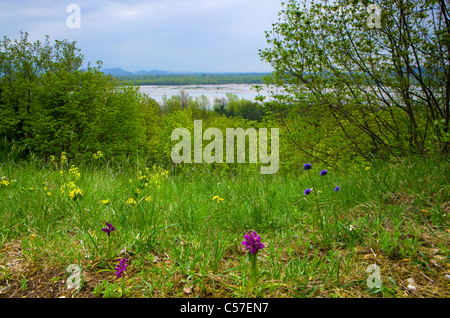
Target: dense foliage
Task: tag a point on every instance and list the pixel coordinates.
(350, 91)
(48, 104)
(341, 91)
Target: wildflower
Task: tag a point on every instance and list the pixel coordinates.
(63, 158)
(49, 193)
(323, 172)
(367, 168)
(148, 199)
(33, 236)
(73, 171)
(153, 178)
(307, 166)
(75, 193)
(252, 242)
(122, 267)
(216, 197)
(4, 183)
(97, 155)
(108, 229)
(307, 191)
(131, 201)
(68, 186)
(105, 201)
(337, 188)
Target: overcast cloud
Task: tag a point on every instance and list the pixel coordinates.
(173, 35)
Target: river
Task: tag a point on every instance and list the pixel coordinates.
(157, 92)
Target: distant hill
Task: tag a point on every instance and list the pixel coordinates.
(117, 71)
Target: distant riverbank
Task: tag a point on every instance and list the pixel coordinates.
(194, 79)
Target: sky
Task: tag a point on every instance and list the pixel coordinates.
(171, 35)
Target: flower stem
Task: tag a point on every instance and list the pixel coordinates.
(316, 194)
(109, 248)
(123, 286)
(253, 269)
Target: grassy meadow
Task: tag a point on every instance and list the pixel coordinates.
(182, 232)
(95, 204)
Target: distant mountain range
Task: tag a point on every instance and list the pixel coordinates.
(117, 71)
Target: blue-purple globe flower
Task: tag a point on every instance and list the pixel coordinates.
(307, 166)
(122, 267)
(337, 188)
(252, 242)
(323, 172)
(307, 191)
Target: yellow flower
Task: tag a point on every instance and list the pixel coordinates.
(148, 199)
(424, 211)
(216, 197)
(75, 193)
(74, 172)
(49, 193)
(4, 183)
(155, 177)
(367, 168)
(97, 155)
(63, 158)
(33, 236)
(131, 201)
(68, 186)
(105, 201)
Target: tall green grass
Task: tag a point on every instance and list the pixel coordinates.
(312, 241)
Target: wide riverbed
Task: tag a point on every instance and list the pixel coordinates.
(210, 91)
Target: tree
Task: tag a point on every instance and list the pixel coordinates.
(21, 65)
(184, 98)
(49, 104)
(234, 106)
(387, 89)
